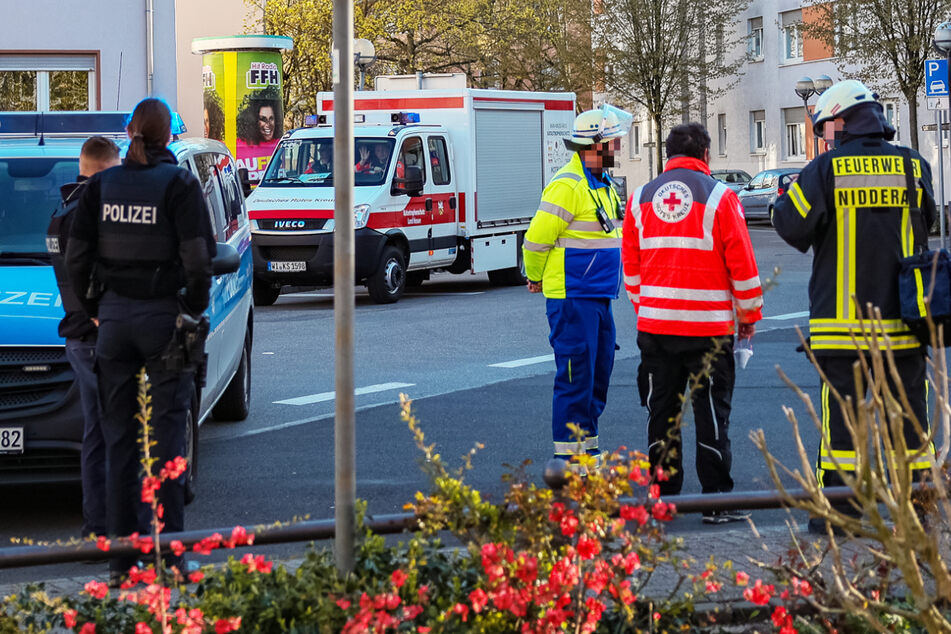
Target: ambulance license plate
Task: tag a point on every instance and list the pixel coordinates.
(287, 267)
(11, 440)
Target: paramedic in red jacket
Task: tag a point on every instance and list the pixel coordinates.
(690, 272)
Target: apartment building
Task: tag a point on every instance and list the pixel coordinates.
(109, 54)
(762, 123)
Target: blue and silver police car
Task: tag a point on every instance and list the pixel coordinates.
(40, 415)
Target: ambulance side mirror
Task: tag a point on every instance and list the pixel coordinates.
(412, 182)
(226, 259)
(245, 179)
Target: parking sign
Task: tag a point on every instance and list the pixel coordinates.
(936, 78)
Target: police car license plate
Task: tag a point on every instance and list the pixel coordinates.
(11, 440)
(286, 267)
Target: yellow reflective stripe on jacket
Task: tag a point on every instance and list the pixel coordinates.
(574, 447)
(799, 200)
(837, 334)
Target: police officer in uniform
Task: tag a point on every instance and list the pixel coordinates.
(142, 231)
(572, 254)
(98, 153)
(843, 206)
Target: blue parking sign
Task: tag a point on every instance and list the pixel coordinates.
(936, 78)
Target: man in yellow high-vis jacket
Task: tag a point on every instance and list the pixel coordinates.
(572, 253)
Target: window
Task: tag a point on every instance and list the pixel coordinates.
(47, 82)
(794, 141)
(205, 164)
(634, 149)
(891, 115)
(439, 160)
(757, 131)
(411, 155)
(758, 181)
(755, 42)
(721, 134)
(233, 196)
(792, 36)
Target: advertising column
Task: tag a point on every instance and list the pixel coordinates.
(242, 79)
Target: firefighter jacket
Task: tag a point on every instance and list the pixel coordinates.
(566, 247)
(850, 206)
(688, 261)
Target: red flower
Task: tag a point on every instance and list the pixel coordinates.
(557, 511)
(663, 512)
(343, 604)
(398, 578)
(759, 594)
(569, 524)
(150, 484)
(96, 589)
(588, 548)
(88, 628)
(742, 578)
(196, 576)
(103, 543)
(478, 599)
(177, 547)
(142, 628)
(779, 616)
(222, 626)
(634, 513)
(69, 618)
(239, 536)
(462, 610)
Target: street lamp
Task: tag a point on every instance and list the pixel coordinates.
(806, 88)
(364, 54)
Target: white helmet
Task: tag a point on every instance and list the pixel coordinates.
(839, 99)
(597, 126)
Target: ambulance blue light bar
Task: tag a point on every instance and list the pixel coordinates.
(311, 120)
(404, 118)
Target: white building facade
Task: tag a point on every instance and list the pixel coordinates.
(762, 123)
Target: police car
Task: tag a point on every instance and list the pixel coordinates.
(40, 415)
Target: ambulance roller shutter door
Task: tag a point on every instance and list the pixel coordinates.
(509, 164)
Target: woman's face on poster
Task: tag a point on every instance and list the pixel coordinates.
(266, 123)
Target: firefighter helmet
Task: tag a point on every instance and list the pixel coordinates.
(839, 99)
(597, 126)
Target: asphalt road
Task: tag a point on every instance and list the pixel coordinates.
(477, 363)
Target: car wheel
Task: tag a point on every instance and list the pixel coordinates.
(388, 282)
(191, 447)
(235, 403)
(265, 293)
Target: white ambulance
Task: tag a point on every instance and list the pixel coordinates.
(446, 179)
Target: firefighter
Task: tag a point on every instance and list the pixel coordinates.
(572, 254)
(690, 272)
(856, 249)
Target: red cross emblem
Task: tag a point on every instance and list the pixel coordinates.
(672, 202)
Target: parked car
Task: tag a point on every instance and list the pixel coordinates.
(734, 179)
(41, 421)
(761, 193)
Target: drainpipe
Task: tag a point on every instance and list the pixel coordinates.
(149, 45)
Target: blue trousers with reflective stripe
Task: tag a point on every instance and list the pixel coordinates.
(583, 337)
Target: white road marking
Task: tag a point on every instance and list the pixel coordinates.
(520, 362)
(804, 313)
(329, 396)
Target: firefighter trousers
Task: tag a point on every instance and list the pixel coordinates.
(667, 363)
(583, 338)
(836, 441)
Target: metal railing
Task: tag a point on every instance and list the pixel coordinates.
(315, 530)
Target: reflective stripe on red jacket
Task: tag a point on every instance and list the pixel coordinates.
(688, 261)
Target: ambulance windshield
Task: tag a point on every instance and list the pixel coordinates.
(309, 162)
(29, 194)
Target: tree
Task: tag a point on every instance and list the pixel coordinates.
(656, 54)
(882, 42)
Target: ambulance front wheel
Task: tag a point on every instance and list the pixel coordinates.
(265, 293)
(388, 282)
